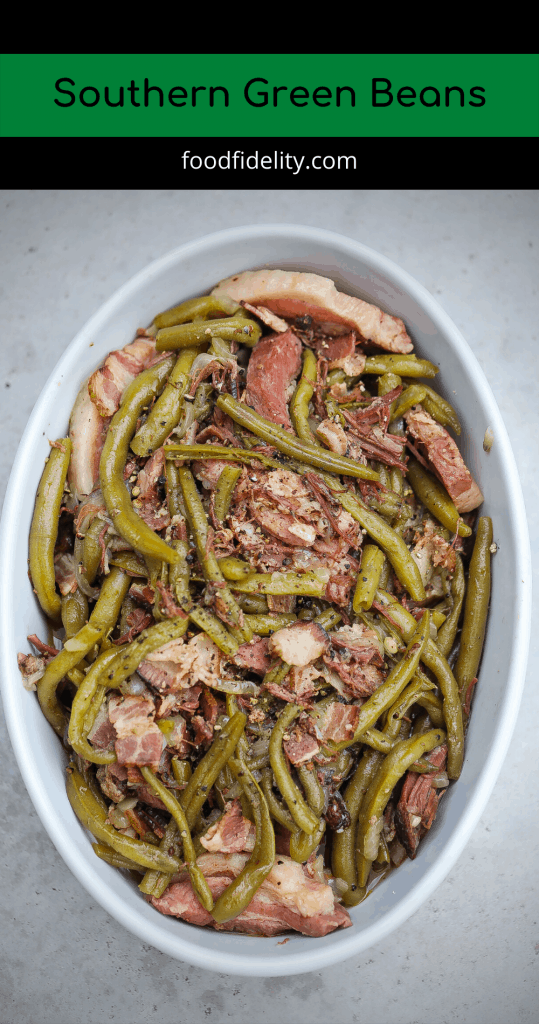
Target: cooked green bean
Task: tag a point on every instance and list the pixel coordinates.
(405, 366)
(328, 619)
(234, 328)
(74, 612)
(475, 611)
(207, 770)
(198, 880)
(343, 846)
(128, 561)
(128, 658)
(115, 494)
(371, 818)
(440, 410)
(44, 528)
(93, 817)
(299, 405)
(253, 604)
(103, 618)
(435, 497)
(300, 811)
(81, 704)
(211, 625)
(303, 844)
(448, 630)
(388, 382)
(224, 491)
(225, 605)
(234, 568)
(188, 452)
(193, 309)
(308, 584)
(92, 551)
(155, 882)
(117, 860)
(410, 396)
(313, 790)
(241, 891)
(289, 445)
(276, 808)
(263, 625)
(166, 412)
(372, 562)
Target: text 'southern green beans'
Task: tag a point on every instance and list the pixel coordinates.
(198, 880)
(128, 524)
(448, 630)
(44, 528)
(166, 412)
(194, 309)
(372, 561)
(240, 892)
(81, 704)
(436, 662)
(392, 687)
(405, 366)
(214, 628)
(313, 455)
(103, 618)
(393, 767)
(128, 658)
(475, 609)
(225, 605)
(391, 543)
(224, 492)
(93, 817)
(308, 584)
(434, 496)
(299, 405)
(302, 814)
(234, 328)
(343, 863)
(207, 770)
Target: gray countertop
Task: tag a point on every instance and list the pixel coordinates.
(471, 953)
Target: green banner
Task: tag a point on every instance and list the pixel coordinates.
(353, 95)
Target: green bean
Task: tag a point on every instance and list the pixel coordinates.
(276, 808)
(225, 604)
(435, 497)
(81, 704)
(175, 503)
(433, 706)
(240, 892)
(448, 630)
(372, 562)
(418, 686)
(303, 844)
(253, 604)
(388, 382)
(224, 491)
(263, 625)
(207, 770)
(44, 528)
(391, 543)
(440, 410)
(74, 612)
(392, 687)
(166, 412)
(410, 396)
(376, 740)
(188, 452)
(313, 790)
(117, 860)
(115, 494)
(343, 845)
(405, 366)
(234, 328)
(371, 818)
(182, 771)
(234, 568)
(475, 611)
(308, 584)
(215, 630)
(436, 662)
(277, 673)
(300, 811)
(103, 618)
(311, 454)
(128, 658)
(194, 309)
(155, 882)
(299, 405)
(92, 551)
(198, 880)
(129, 562)
(93, 817)
(328, 619)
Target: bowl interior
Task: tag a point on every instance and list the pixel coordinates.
(186, 272)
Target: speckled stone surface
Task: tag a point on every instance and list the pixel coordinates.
(471, 953)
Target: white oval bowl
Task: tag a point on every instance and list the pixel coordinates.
(191, 270)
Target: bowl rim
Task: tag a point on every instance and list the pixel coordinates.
(315, 958)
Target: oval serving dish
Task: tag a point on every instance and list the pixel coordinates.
(194, 269)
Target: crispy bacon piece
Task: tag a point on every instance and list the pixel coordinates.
(254, 655)
(113, 779)
(302, 745)
(232, 833)
(288, 899)
(291, 294)
(267, 317)
(419, 799)
(138, 739)
(355, 654)
(275, 362)
(108, 383)
(177, 665)
(339, 722)
(445, 458)
(102, 734)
